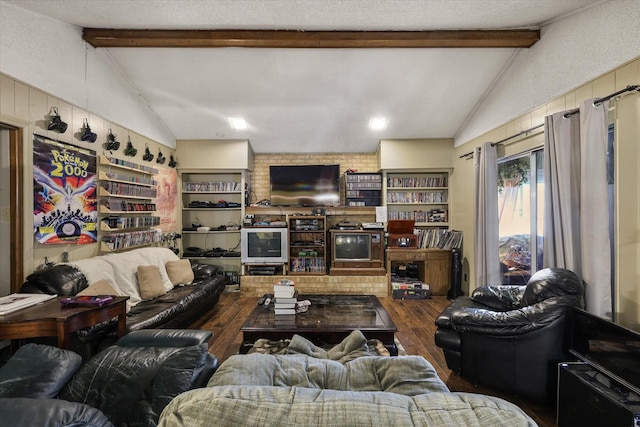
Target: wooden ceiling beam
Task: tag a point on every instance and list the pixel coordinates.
(102, 37)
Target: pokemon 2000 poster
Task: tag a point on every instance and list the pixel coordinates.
(64, 189)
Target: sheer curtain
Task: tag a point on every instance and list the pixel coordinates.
(576, 228)
(487, 263)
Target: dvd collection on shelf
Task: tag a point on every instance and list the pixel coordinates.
(417, 197)
(364, 177)
(132, 190)
(214, 186)
(135, 238)
(121, 205)
(131, 165)
(130, 178)
(119, 222)
(307, 265)
(363, 189)
(434, 215)
(417, 181)
(358, 193)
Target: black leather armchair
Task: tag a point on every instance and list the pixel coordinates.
(511, 337)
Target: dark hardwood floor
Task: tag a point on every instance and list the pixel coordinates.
(414, 319)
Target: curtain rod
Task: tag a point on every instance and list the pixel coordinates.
(502, 141)
(598, 101)
(568, 114)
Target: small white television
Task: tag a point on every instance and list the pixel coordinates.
(264, 245)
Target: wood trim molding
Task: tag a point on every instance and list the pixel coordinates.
(104, 37)
(17, 203)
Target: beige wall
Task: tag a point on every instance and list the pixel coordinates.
(627, 115)
(395, 154)
(26, 107)
(207, 154)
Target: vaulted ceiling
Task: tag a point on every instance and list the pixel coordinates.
(313, 97)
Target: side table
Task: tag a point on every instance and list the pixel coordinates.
(52, 319)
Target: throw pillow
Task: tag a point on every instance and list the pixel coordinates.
(38, 371)
(150, 282)
(180, 271)
(101, 287)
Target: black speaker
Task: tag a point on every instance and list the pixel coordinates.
(456, 274)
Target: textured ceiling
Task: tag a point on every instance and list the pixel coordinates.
(310, 100)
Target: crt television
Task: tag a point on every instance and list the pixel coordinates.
(305, 185)
(264, 245)
(609, 348)
(357, 248)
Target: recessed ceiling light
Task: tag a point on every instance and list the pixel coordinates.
(378, 123)
(238, 123)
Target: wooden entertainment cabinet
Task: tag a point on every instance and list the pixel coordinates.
(434, 266)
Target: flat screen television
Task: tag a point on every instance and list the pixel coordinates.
(609, 348)
(305, 185)
(264, 245)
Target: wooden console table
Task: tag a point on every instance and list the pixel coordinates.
(434, 267)
(52, 319)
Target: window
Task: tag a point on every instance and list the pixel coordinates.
(520, 210)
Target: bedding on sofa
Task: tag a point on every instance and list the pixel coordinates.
(121, 269)
(348, 366)
(309, 387)
(235, 406)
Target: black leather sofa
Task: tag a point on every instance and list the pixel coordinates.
(177, 309)
(127, 384)
(511, 338)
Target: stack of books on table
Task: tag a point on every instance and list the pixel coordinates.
(285, 297)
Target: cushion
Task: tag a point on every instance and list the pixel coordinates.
(37, 371)
(180, 271)
(551, 282)
(150, 282)
(204, 271)
(101, 287)
(61, 279)
(501, 297)
(131, 385)
(50, 412)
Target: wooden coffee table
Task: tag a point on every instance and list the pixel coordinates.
(52, 319)
(329, 319)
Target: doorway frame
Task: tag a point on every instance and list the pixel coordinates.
(16, 203)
